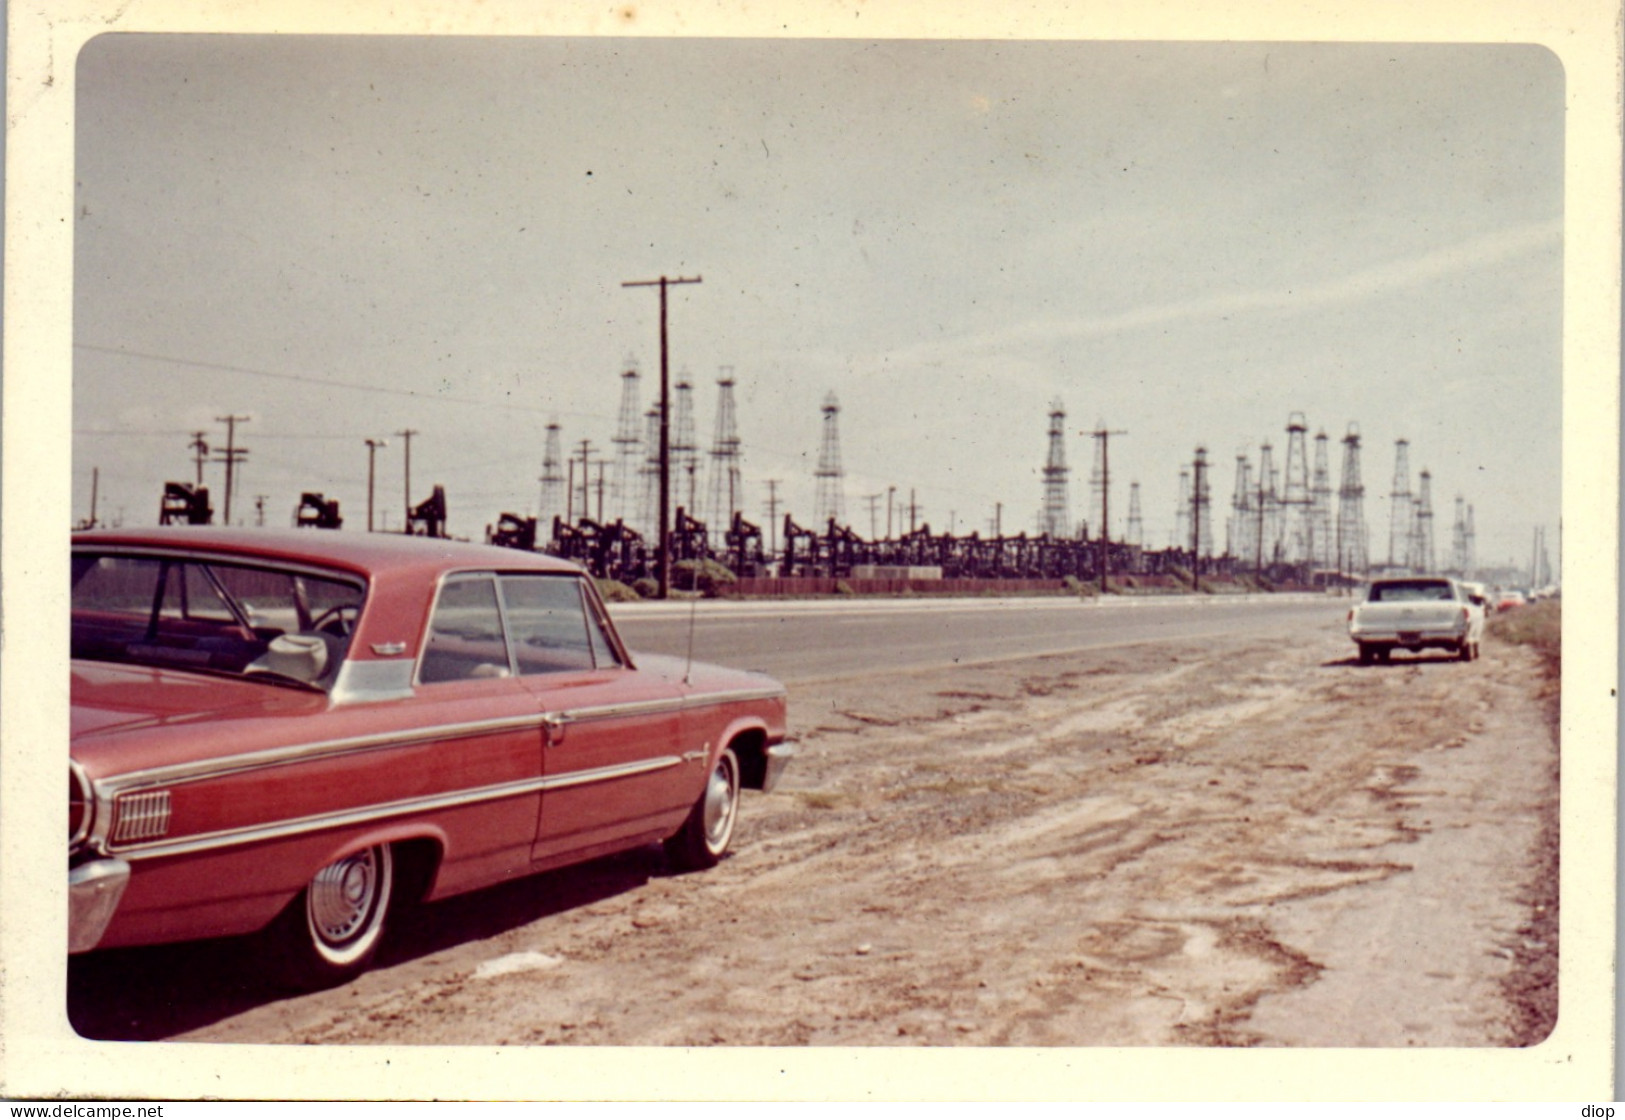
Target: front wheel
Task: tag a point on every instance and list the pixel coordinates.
(710, 825)
(328, 935)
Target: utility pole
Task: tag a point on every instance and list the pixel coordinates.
(1103, 438)
(772, 517)
(233, 455)
(891, 500)
(1198, 500)
(874, 504)
(95, 484)
(586, 475)
(665, 427)
(372, 454)
(407, 436)
(259, 510)
(200, 453)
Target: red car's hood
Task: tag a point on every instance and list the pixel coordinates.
(109, 698)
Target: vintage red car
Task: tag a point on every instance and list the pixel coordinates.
(295, 731)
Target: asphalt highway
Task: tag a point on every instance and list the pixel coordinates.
(807, 640)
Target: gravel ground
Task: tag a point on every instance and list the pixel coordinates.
(1247, 843)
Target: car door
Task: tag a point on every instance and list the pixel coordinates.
(491, 751)
(613, 766)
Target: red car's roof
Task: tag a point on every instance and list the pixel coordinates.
(370, 553)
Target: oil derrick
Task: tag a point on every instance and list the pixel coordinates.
(1268, 506)
(1201, 507)
(831, 497)
(1401, 509)
(1352, 553)
(1320, 506)
(1182, 512)
(1241, 538)
(685, 447)
(1421, 551)
(1134, 534)
(1458, 539)
(1540, 561)
(552, 476)
(726, 490)
(1295, 496)
(628, 441)
(1053, 520)
(1472, 543)
(649, 508)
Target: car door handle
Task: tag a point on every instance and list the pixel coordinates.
(554, 726)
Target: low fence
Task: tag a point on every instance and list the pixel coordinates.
(795, 586)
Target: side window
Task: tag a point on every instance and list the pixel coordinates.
(465, 633)
(188, 594)
(553, 632)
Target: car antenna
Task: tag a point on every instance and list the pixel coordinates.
(688, 666)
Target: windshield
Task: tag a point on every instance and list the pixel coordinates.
(232, 617)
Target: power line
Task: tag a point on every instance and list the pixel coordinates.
(221, 367)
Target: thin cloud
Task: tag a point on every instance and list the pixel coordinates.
(1375, 282)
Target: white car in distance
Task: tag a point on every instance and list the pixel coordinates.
(1414, 613)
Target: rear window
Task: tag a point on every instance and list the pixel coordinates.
(188, 612)
(1412, 591)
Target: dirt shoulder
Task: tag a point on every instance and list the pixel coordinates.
(1245, 843)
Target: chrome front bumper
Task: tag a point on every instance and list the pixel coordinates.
(778, 757)
(94, 890)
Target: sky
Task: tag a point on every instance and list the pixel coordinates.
(343, 238)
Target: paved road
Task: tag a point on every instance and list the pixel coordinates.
(814, 640)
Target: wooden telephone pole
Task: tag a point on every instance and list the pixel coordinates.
(665, 427)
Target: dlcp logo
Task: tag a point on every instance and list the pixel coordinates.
(1598, 1111)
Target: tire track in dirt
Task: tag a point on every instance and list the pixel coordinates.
(1172, 844)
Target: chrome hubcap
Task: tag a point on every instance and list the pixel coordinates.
(343, 896)
(721, 797)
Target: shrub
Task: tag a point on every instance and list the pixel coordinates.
(705, 576)
(647, 587)
(614, 591)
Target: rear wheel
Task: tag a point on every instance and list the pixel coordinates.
(330, 932)
(706, 833)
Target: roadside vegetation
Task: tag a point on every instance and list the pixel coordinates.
(1531, 987)
(1539, 626)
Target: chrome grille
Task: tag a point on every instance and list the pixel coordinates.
(140, 816)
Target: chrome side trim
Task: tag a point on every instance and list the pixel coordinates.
(711, 699)
(110, 787)
(282, 756)
(627, 710)
(610, 773)
(297, 826)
